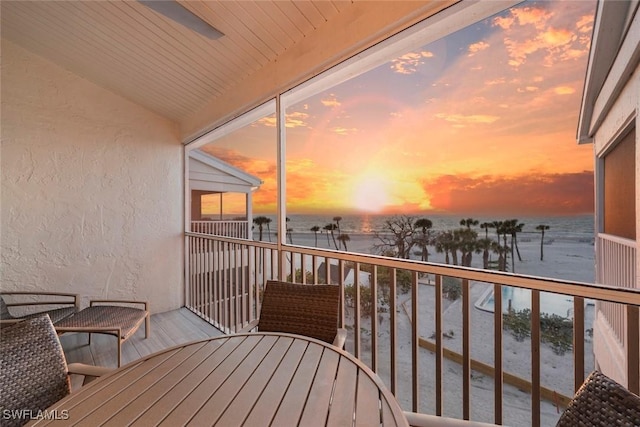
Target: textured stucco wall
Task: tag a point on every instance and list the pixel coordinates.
(91, 196)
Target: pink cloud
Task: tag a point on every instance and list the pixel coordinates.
(569, 193)
(409, 63)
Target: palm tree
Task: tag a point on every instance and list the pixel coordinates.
(468, 222)
(315, 230)
(327, 230)
(467, 243)
(485, 246)
(514, 229)
(499, 226)
(502, 252)
(501, 231)
(425, 224)
(330, 228)
(486, 226)
(268, 228)
(289, 231)
(444, 243)
(260, 221)
(344, 238)
(542, 227)
(337, 219)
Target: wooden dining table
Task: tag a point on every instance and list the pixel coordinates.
(255, 379)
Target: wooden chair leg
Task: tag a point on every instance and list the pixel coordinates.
(119, 349)
(147, 326)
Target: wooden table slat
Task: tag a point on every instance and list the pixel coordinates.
(292, 404)
(319, 397)
(207, 390)
(265, 409)
(127, 389)
(172, 398)
(181, 370)
(97, 393)
(367, 409)
(228, 407)
(344, 398)
(388, 418)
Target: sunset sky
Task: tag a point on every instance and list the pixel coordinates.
(480, 122)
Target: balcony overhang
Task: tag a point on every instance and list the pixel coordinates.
(197, 82)
(614, 55)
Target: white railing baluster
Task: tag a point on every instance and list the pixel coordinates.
(373, 284)
(535, 358)
(357, 315)
(415, 342)
(438, 333)
(393, 330)
(466, 350)
(497, 352)
(578, 342)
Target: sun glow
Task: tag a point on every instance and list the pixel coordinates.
(370, 193)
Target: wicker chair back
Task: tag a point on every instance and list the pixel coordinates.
(601, 401)
(34, 370)
(310, 310)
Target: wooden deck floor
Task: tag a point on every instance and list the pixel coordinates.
(167, 330)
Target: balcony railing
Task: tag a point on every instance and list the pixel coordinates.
(401, 324)
(236, 229)
(616, 267)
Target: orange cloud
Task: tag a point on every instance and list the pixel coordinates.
(528, 89)
(331, 101)
(541, 194)
(556, 37)
(408, 63)
(529, 30)
(564, 90)
(461, 119)
(477, 47)
(498, 81)
(344, 131)
(293, 120)
(585, 24)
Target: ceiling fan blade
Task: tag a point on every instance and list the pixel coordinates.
(178, 13)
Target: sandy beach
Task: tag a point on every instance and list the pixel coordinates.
(572, 260)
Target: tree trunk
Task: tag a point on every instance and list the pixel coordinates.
(515, 238)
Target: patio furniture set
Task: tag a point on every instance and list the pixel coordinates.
(119, 318)
(293, 371)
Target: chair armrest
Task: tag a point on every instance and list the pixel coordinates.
(89, 372)
(252, 325)
(341, 337)
(425, 420)
(126, 302)
(69, 298)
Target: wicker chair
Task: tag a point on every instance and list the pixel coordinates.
(34, 374)
(601, 401)
(66, 305)
(310, 310)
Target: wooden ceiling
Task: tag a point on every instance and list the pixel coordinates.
(141, 55)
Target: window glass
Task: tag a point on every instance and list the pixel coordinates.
(477, 125)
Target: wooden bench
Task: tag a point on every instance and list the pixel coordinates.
(108, 317)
